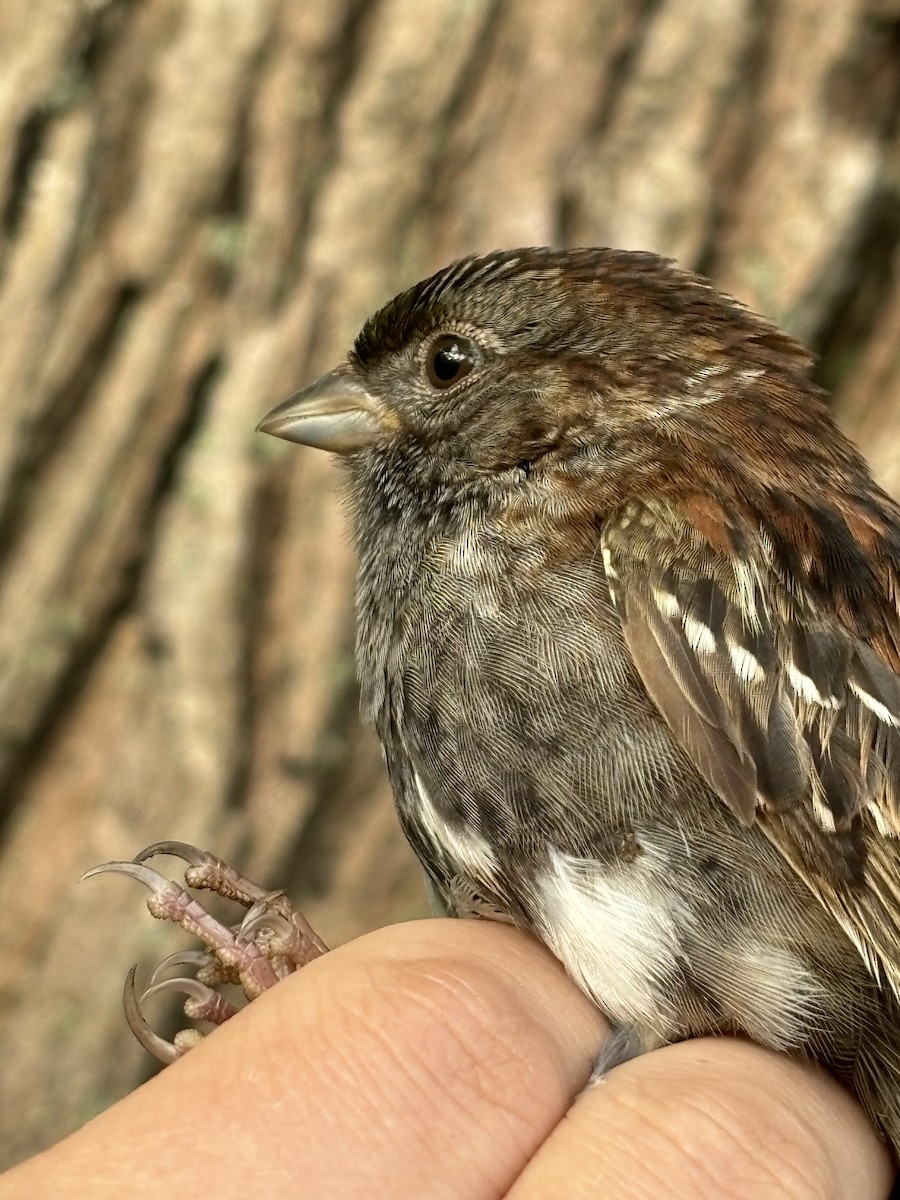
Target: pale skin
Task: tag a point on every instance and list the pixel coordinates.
(439, 1060)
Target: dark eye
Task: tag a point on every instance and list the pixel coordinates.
(450, 358)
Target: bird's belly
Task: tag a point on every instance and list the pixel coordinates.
(663, 937)
(650, 900)
(517, 723)
(465, 852)
(644, 940)
(615, 933)
(535, 778)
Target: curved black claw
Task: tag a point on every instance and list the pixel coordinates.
(150, 878)
(273, 941)
(181, 958)
(183, 850)
(165, 1051)
(202, 1004)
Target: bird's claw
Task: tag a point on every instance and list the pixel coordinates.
(272, 941)
(202, 1004)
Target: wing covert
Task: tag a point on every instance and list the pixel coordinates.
(790, 716)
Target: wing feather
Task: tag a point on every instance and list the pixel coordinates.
(789, 712)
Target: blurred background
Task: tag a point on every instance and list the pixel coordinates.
(200, 201)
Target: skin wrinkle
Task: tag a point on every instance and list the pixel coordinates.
(450, 1034)
(477, 1068)
(688, 1117)
(378, 1091)
(732, 1169)
(655, 1123)
(781, 1152)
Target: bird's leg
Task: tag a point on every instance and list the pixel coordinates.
(624, 1042)
(271, 942)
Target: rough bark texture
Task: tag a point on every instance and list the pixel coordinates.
(199, 201)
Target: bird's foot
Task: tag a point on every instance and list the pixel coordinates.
(271, 942)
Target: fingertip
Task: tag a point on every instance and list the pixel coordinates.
(714, 1117)
(520, 973)
(366, 1071)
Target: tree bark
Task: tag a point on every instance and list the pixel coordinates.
(201, 200)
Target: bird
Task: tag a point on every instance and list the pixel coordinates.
(628, 632)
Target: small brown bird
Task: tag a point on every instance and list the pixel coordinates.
(628, 631)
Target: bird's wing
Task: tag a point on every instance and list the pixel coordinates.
(787, 698)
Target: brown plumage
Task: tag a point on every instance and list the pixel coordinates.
(629, 634)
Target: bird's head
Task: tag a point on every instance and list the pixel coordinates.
(526, 368)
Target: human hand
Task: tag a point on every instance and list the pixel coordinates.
(440, 1059)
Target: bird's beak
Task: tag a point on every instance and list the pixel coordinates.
(335, 413)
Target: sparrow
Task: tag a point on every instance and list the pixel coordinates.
(628, 631)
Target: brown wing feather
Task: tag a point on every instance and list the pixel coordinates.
(790, 709)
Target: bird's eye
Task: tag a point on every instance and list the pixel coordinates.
(450, 359)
